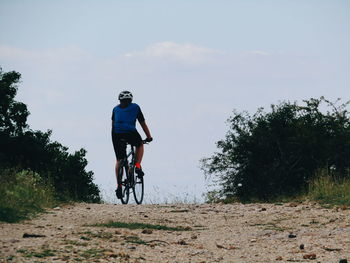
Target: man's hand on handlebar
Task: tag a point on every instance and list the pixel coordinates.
(148, 140)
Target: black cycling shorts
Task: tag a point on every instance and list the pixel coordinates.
(120, 141)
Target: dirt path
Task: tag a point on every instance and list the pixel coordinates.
(210, 233)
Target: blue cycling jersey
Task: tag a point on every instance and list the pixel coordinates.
(124, 119)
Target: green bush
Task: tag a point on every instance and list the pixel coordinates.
(276, 154)
(32, 150)
(22, 194)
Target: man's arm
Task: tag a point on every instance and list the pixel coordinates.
(145, 129)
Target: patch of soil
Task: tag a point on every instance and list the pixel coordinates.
(210, 233)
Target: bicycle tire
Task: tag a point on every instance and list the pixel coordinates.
(125, 184)
(138, 189)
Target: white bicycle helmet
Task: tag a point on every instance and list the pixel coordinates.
(125, 95)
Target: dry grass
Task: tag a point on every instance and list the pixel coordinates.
(329, 190)
(22, 194)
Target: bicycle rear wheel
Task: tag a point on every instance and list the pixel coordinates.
(138, 189)
(125, 184)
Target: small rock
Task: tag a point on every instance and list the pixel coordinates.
(331, 249)
(57, 208)
(253, 240)
(309, 256)
(219, 246)
(292, 236)
(262, 209)
(343, 261)
(232, 247)
(110, 254)
(279, 258)
(302, 246)
(132, 248)
(193, 237)
(147, 231)
(117, 232)
(182, 242)
(26, 235)
(88, 208)
(145, 216)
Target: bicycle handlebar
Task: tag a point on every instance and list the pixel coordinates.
(147, 140)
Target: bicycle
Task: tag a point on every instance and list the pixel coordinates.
(130, 180)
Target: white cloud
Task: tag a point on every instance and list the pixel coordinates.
(167, 57)
(184, 53)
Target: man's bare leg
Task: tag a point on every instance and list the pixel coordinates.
(139, 154)
(138, 159)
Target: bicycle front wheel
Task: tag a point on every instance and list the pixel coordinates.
(138, 189)
(125, 184)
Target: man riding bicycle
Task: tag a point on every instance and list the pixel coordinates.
(124, 131)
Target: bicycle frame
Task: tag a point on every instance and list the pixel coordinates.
(132, 152)
(130, 165)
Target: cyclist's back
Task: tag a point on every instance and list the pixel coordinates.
(125, 116)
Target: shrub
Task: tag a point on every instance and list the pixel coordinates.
(34, 150)
(277, 153)
(22, 194)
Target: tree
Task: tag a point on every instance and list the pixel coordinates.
(13, 114)
(24, 148)
(277, 153)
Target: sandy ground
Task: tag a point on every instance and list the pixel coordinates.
(212, 233)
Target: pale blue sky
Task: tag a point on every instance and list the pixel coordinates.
(189, 64)
(105, 27)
